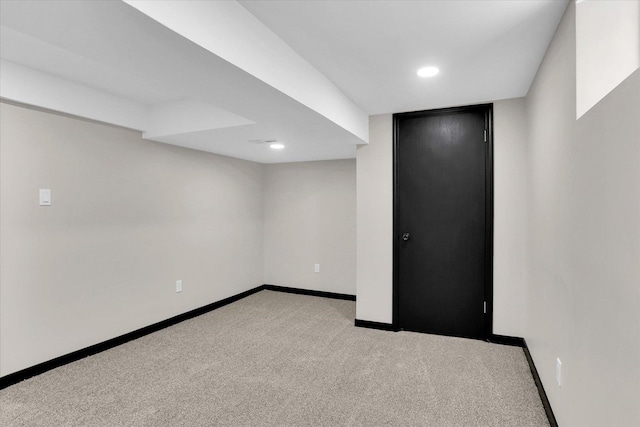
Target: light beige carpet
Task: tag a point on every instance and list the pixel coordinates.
(276, 359)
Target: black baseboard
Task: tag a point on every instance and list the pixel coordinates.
(507, 340)
(376, 325)
(541, 392)
(309, 292)
(43, 367)
(520, 342)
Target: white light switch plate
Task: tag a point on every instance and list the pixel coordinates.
(45, 197)
(178, 285)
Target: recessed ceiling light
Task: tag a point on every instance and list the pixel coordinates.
(277, 146)
(428, 71)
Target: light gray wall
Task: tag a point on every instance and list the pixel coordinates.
(607, 48)
(510, 217)
(128, 219)
(374, 267)
(310, 218)
(584, 251)
(375, 220)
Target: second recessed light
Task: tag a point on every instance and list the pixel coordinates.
(428, 71)
(277, 146)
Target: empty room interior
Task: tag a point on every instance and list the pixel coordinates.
(320, 213)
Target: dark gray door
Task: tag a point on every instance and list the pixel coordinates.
(441, 215)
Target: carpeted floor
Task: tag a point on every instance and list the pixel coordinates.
(276, 359)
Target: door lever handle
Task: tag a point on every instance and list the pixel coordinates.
(406, 236)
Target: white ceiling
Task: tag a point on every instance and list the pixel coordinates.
(215, 75)
(486, 50)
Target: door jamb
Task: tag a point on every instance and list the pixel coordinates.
(489, 208)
